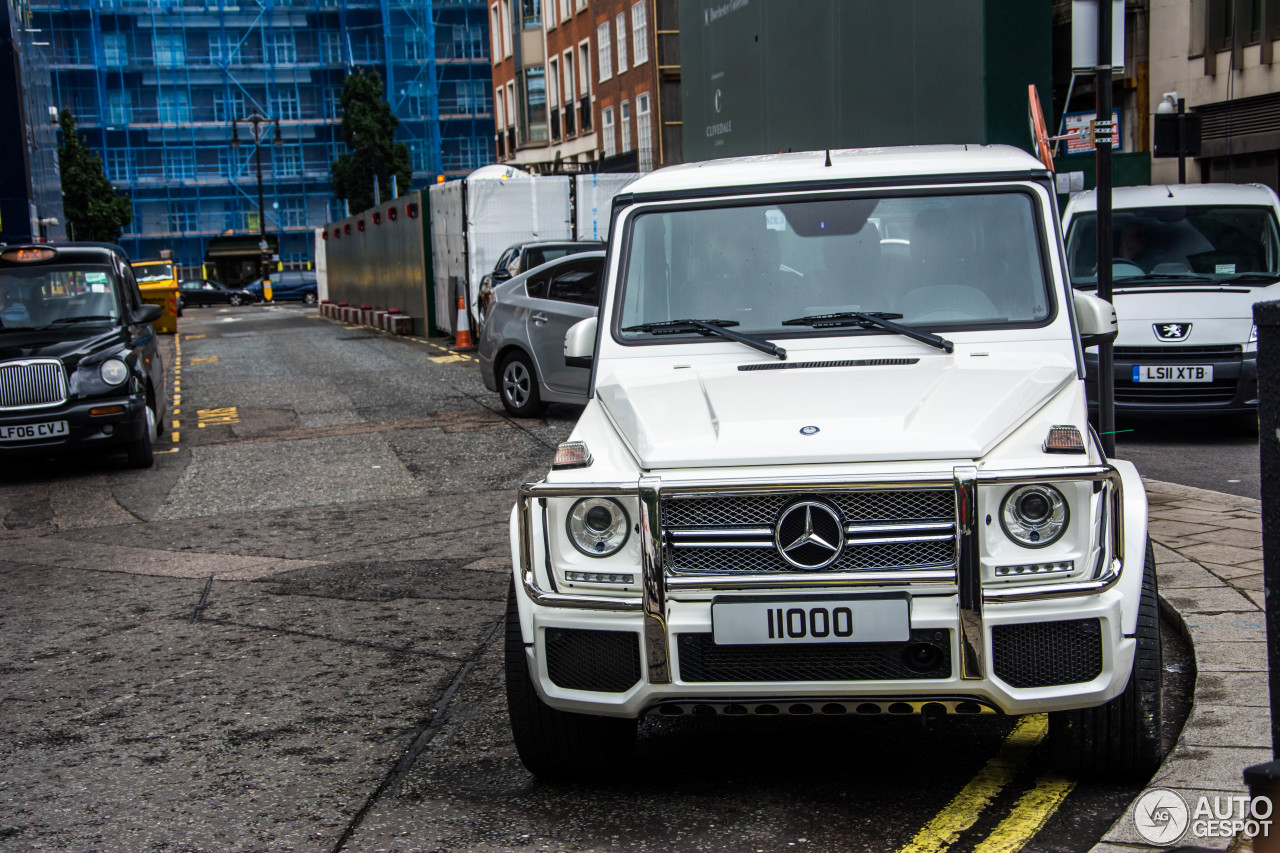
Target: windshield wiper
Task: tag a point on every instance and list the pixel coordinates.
(85, 318)
(1251, 278)
(868, 320)
(709, 327)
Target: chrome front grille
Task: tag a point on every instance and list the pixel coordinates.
(884, 529)
(32, 384)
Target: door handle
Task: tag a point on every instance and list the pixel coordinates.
(539, 318)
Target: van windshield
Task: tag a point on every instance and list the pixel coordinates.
(1157, 245)
(52, 297)
(934, 260)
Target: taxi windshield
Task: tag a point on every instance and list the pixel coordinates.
(151, 273)
(56, 296)
(807, 267)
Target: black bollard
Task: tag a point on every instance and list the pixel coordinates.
(1264, 779)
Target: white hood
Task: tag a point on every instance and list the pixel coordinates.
(1216, 315)
(942, 407)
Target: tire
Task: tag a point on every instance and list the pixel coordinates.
(310, 298)
(1121, 740)
(140, 450)
(554, 744)
(518, 386)
(235, 299)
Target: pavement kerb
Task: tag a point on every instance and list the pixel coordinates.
(1209, 562)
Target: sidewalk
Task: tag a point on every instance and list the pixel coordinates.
(1208, 548)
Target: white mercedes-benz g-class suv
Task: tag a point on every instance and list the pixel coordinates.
(836, 460)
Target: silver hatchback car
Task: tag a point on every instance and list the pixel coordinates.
(522, 343)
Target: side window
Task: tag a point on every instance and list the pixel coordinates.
(533, 258)
(577, 282)
(536, 286)
(207, 286)
(132, 295)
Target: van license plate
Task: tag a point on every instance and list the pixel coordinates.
(33, 432)
(1173, 373)
(827, 620)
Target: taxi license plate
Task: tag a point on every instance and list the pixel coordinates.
(884, 619)
(1173, 373)
(33, 432)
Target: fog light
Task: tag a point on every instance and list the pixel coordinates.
(108, 429)
(598, 577)
(1035, 569)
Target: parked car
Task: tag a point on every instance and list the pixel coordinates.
(813, 480)
(289, 286)
(79, 364)
(522, 257)
(1190, 261)
(521, 348)
(204, 292)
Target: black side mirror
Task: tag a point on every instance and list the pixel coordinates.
(147, 314)
(501, 274)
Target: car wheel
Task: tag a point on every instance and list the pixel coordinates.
(310, 298)
(557, 744)
(141, 453)
(1123, 739)
(235, 299)
(518, 386)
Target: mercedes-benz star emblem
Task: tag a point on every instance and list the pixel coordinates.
(808, 430)
(809, 535)
(1172, 331)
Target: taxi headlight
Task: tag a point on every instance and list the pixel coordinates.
(113, 371)
(1034, 516)
(598, 527)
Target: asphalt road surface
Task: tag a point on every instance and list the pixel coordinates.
(286, 637)
(1216, 453)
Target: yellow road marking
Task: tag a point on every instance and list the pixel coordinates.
(194, 337)
(1029, 815)
(175, 436)
(964, 809)
(446, 359)
(170, 450)
(206, 360)
(217, 417)
(176, 424)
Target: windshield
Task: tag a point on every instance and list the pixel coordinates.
(957, 259)
(1154, 245)
(44, 296)
(153, 273)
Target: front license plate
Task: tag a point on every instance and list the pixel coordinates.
(33, 432)
(799, 620)
(1173, 373)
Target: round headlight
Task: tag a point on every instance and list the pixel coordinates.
(598, 527)
(1034, 516)
(113, 371)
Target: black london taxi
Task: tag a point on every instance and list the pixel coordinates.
(79, 363)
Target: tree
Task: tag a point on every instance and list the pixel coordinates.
(369, 131)
(95, 210)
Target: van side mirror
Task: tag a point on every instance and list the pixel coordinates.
(580, 343)
(1097, 319)
(147, 314)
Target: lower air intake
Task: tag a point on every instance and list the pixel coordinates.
(602, 661)
(1047, 653)
(926, 655)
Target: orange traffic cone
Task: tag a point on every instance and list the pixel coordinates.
(463, 340)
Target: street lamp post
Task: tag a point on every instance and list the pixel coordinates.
(259, 122)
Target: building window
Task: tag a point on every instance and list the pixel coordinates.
(584, 66)
(284, 51)
(506, 27)
(330, 48)
(293, 213)
(606, 120)
(169, 49)
(495, 34)
(119, 107)
(468, 43)
(116, 49)
(640, 32)
(530, 14)
(333, 102)
(287, 161)
(624, 119)
(227, 106)
(620, 24)
(566, 9)
(119, 165)
(174, 107)
(182, 218)
(582, 4)
(287, 105)
(605, 50)
(179, 164)
(415, 44)
(644, 133)
(532, 124)
(500, 117)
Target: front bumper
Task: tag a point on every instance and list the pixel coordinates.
(85, 431)
(666, 630)
(1234, 387)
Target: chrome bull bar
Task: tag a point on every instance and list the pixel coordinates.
(965, 480)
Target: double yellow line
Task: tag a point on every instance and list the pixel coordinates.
(1029, 814)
